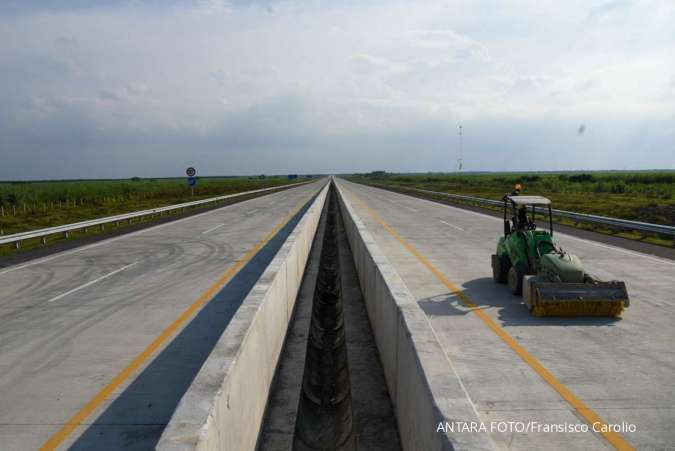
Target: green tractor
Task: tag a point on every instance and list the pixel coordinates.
(551, 281)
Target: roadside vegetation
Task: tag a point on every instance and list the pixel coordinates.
(639, 196)
(35, 205)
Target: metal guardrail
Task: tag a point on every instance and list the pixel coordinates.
(615, 223)
(17, 238)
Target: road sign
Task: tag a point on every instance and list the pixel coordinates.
(191, 172)
(192, 181)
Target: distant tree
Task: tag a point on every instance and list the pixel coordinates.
(580, 178)
(618, 188)
(12, 199)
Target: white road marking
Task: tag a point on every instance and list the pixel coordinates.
(453, 226)
(92, 282)
(132, 234)
(409, 208)
(457, 377)
(625, 251)
(14, 268)
(212, 229)
(452, 366)
(488, 216)
(248, 213)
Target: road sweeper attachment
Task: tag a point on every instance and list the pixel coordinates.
(574, 299)
(552, 282)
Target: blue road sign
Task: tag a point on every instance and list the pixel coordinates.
(192, 181)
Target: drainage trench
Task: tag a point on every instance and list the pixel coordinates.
(329, 391)
(324, 418)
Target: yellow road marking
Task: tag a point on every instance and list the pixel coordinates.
(77, 419)
(589, 415)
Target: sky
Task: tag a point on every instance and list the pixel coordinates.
(115, 89)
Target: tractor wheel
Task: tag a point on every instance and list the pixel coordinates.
(515, 281)
(500, 268)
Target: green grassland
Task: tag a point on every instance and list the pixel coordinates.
(641, 196)
(34, 205)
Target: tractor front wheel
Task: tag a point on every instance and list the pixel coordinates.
(515, 281)
(500, 268)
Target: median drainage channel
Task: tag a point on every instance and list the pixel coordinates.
(329, 391)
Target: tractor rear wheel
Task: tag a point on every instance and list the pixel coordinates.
(515, 281)
(500, 268)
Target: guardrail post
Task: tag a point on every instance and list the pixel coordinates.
(16, 239)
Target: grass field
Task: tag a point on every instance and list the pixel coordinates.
(35, 205)
(640, 196)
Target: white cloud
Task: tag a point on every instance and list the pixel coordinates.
(342, 70)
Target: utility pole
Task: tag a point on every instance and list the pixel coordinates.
(461, 153)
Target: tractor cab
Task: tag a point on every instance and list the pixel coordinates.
(516, 217)
(523, 241)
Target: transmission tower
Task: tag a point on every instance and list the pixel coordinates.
(460, 160)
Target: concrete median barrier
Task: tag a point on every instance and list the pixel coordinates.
(428, 396)
(224, 407)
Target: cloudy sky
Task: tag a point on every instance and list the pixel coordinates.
(122, 88)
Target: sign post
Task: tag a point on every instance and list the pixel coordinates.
(191, 180)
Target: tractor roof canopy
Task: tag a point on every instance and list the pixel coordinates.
(529, 200)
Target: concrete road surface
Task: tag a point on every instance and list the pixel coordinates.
(72, 322)
(622, 370)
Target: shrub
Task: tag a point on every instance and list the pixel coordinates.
(618, 188)
(581, 178)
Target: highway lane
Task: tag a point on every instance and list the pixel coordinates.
(621, 369)
(72, 321)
